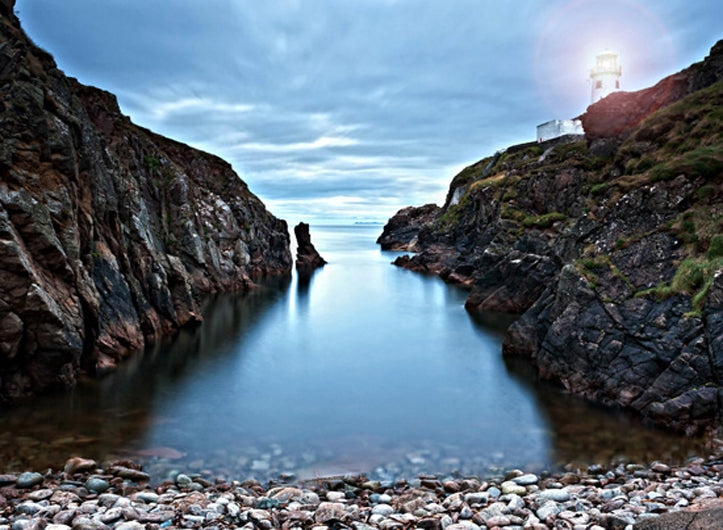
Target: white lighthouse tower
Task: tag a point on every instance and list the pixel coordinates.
(605, 75)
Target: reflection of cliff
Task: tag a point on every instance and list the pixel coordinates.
(106, 417)
(581, 434)
(108, 232)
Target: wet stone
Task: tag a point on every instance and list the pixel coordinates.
(509, 487)
(183, 481)
(265, 503)
(146, 496)
(526, 480)
(97, 485)
(28, 480)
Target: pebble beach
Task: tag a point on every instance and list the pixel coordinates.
(121, 495)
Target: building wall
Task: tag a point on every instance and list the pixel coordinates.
(604, 84)
(555, 128)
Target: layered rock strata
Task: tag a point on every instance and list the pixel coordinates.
(108, 232)
(610, 247)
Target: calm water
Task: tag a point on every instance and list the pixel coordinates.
(364, 368)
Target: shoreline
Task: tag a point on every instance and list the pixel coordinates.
(119, 494)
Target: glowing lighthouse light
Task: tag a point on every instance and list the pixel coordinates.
(605, 75)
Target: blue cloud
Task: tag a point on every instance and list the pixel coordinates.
(355, 109)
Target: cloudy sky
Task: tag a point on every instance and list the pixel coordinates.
(351, 109)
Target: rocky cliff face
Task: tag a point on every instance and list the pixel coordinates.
(108, 232)
(610, 248)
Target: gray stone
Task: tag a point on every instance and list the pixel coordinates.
(264, 503)
(97, 485)
(526, 480)
(28, 479)
(383, 509)
(40, 495)
(108, 499)
(463, 525)
(476, 497)
(183, 481)
(466, 512)
(497, 520)
(515, 503)
(336, 496)
(111, 515)
(128, 525)
(28, 508)
(146, 496)
(553, 495)
(509, 487)
(547, 509)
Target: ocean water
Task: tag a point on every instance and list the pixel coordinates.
(363, 368)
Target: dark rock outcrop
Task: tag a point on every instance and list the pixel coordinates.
(400, 232)
(610, 248)
(697, 519)
(307, 258)
(108, 232)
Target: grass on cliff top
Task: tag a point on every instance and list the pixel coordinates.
(683, 138)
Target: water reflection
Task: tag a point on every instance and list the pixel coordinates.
(583, 433)
(363, 367)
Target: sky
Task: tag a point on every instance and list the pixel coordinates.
(348, 110)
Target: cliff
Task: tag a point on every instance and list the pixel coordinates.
(108, 232)
(609, 247)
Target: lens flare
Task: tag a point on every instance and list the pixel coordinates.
(571, 37)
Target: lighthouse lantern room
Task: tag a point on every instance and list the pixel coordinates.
(605, 75)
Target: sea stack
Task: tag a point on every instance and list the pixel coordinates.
(307, 258)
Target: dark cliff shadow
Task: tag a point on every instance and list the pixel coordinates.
(104, 418)
(582, 432)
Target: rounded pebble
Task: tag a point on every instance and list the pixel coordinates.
(28, 479)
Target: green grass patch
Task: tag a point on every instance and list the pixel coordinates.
(715, 248)
(598, 189)
(543, 221)
(693, 277)
(705, 162)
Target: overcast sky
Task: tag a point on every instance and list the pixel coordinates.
(352, 109)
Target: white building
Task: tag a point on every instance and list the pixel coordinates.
(605, 75)
(554, 128)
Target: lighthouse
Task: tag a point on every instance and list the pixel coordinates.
(605, 75)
